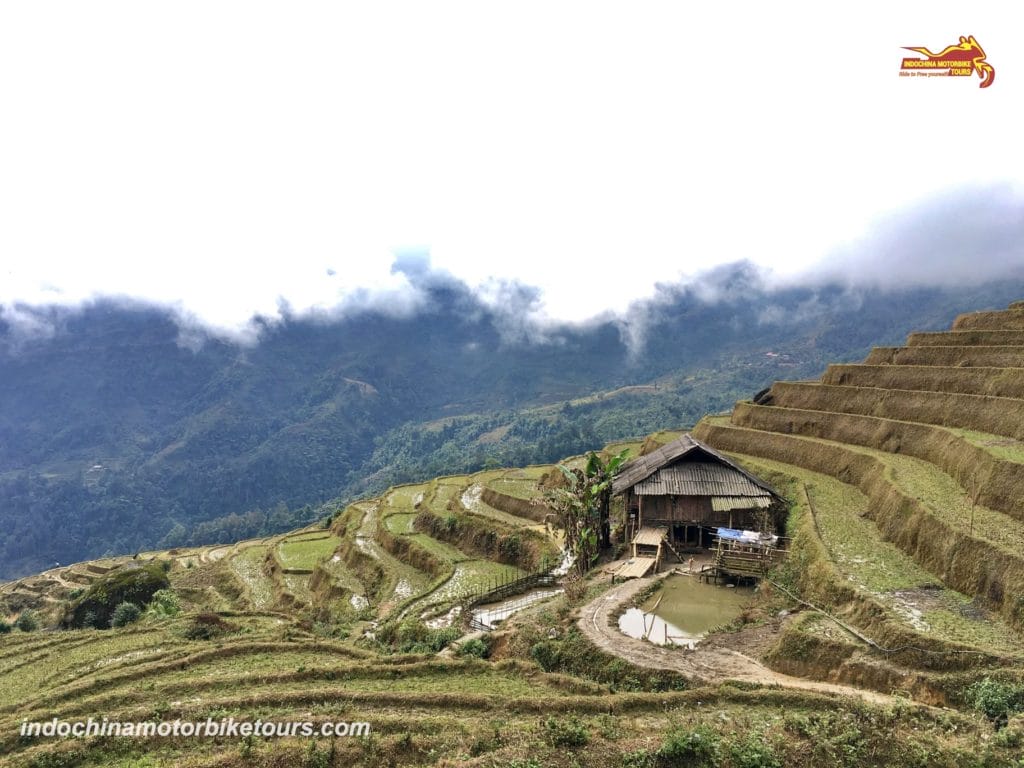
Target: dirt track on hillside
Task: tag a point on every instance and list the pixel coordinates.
(705, 664)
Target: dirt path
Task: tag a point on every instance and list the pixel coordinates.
(706, 665)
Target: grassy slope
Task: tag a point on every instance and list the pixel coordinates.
(291, 648)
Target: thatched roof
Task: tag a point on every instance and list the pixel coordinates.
(705, 472)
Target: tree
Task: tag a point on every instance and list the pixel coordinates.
(125, 613)
(582, 505)
(27, 621)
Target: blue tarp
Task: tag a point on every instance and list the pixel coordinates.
(732, 533)
(746, 537)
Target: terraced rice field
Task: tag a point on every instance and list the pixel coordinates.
(400, 523)
(472, 502)
(248, 567)
(917, 490)
(884, 571)
(304, 553)
(471, 577)
(520, 488)
(405, 497)
(908, 514)
(1001, 447)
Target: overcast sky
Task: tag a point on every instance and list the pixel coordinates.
(219, 156)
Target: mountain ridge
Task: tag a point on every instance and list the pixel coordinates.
(115, 435)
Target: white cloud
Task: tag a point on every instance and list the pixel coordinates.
(221, 156)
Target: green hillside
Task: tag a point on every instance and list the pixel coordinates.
(890, 635)
(123, 430)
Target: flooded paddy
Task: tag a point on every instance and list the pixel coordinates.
(492, 614)
(683, 611)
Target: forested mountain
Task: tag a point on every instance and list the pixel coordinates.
(119, 432)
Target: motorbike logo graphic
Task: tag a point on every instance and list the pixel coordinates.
(961, 60)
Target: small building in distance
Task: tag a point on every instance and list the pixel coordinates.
(685, 491)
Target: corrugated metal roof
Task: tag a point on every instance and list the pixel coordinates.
(643, 466)
(698, 478)
(650, 537)
(729, 503)
(640, 469)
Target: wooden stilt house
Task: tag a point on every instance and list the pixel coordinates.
(683, 492)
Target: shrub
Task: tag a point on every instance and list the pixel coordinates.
(639, 758)
(575, 588)
(413, 636)
(314, 758)
(475, 647)
(754, 752)
(27, 621)
(129, 584)
(996, 700)
(574, 655)
(569, 732)
(699, 748)
(164, 604)
(510, 547)
(125, 613)
(545, 653)
(5, 627)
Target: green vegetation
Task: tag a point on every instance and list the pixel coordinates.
(164, 604)
(1001, 447)
(305, 553)
(582, 506)
(700, 748)
(135, 442)
(27, 621)
(566, 732)
(997, 700)
(367, 621)
(477, 647)
(863, 559)
(124, 614)
(413, 636)
(95, 608)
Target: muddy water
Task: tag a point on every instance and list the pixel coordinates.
(687, 611)
(492, 614)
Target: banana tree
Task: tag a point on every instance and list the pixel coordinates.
(582, 506)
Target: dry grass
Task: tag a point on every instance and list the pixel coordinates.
(994, 415)
(948, 357)
(967, 338)
(934, 531)
(1006, 320)
(999, 382)
(983, 465)
(862, 559)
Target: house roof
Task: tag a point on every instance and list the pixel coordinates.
(707, 473)
(650, 537)
(698, 478)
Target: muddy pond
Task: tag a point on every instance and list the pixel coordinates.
(684, 610)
